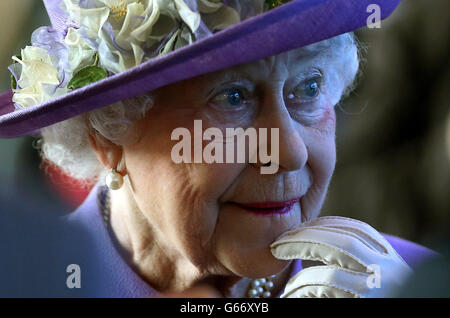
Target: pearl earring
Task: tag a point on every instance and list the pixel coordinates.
(114, 180)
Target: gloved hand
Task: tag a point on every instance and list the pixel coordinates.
(359, 262)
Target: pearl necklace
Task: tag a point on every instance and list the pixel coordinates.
(261, 287)
(258, 288)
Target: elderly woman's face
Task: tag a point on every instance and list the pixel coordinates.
(195, 209)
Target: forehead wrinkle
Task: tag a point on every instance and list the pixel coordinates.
(273, 67)
(304, 56)
(277, 66)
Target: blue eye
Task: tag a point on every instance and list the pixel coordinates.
(234, 97)
(311, 88)
(308, 89)
(229, 98)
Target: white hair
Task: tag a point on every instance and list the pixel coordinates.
(66, 144)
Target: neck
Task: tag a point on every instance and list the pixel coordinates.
(156, 261)
(144, 249)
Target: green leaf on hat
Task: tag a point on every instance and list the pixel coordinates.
(13, 82)
(13, 79)
(271, 4)
(87, 75)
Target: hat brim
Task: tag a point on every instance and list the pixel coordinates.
(290, 26)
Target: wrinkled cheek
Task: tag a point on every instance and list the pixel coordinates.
(322, 144)
(327, 124)
(321, 162)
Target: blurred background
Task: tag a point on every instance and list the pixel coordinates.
(393, 137)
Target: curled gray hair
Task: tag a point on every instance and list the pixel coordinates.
(66, 144)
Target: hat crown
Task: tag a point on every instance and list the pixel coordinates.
(299, 23)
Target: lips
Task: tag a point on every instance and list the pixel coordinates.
(269, 208)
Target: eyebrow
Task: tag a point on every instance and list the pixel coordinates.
(230, 75)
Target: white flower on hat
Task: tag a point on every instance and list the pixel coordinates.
(124, 29)
(38, 73)
(79, 52)
(107, 37)
(216, 15)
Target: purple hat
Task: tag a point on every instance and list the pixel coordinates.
(286, 27)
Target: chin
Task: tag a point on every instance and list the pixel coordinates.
(253, 265)
(251, 256)
(243, 239)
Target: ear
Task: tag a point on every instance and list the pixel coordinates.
(107, 152)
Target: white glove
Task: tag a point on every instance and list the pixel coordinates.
(359, 262)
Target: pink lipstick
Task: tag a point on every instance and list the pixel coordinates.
(269, 208)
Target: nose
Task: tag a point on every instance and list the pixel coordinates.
(293, 153)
